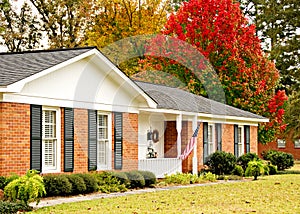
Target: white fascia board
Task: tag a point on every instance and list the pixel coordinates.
(17, 87)
(150, 101)
(210, 117)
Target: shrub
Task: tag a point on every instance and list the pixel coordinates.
(238, 170)
(13, 208)
(78, 185)
(136, 179)
(122, 177)
(27, 188)
(3, 182)
(57, 185)
(280, 159)
(272, 169)
(90, 182)
(255, 168)
(108, 183)
(229, 177)
(245, 158)
(149, 177)
(183, 178)
(209, 177)
(221, 163)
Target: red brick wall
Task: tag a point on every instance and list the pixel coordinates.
(80, 140)
(186, 134)
(253, 140)
(14, 138)
(170, 138)
(130, 142)
(228, 138)
(289, 147)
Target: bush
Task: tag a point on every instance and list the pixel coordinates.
(27, 188)
(78, 185)
(209, 177)
(149, 177)
(280, 159)
(255, 168)
(13, 208)
(221, 163)
(136, 179)
(3, 182)
(108, 183)
(57, 185)
(238, 170)
(90, 182)
(272, 169)
(245, 159)
(122, 177)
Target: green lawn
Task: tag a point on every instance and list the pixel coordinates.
(270, 194)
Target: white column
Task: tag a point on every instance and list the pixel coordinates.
(195, 160)
(178, 128)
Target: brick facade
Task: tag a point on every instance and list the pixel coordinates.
(170, 137)
(14, 138)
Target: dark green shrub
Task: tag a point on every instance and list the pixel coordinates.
(122, 177)
(3, 182)
(272, 169)
(255, 168)
(57, 185)
(108, 183)
(245, 159)
(27, 188)
(90, 182)
(221, 163)
(238, 170)
(12, 208)
(149, 177)
(280, 159)
(78, 185)
(136, 179)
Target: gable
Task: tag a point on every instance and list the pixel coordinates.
(90, 83)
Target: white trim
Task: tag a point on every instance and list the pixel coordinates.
(179, 128)
(109, 135)
(58, 142)
(242, 143)
(213, 138)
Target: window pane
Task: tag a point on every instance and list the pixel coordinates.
(297, 143)
(102, 127)
(102, 152)
(281, 143)
(49, 153)
(49, 124)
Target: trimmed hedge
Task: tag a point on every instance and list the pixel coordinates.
(10, 207)
(57, 185)
(122, 177)
(149, 177)
(136, 179)
(108, 183)
(245, 159)
(78, 184)
(220, 163)
(90, 182)
(280, 159)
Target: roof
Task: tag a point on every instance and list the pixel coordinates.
(19, 65)
(178, 99)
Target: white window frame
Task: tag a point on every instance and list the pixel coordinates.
(281, 143)
(108, 165)
(241, 141)
(57, 167)
(211, 143)
(297, 143)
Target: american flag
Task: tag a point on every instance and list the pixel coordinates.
(190, 146)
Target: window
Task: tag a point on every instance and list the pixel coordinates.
(297, 143)
(211, 139)
(280, 143)
(50, 140)
(104, 141)
(240, 141)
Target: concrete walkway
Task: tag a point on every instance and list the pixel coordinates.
(60, 200)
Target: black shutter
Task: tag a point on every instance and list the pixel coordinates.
(205, 142)
(118, 139)
(247, 138)
(236, 135)
(92, 138)
(68, 140)
(36, 137)
(219, 136)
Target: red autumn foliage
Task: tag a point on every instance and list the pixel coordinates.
(219, 30)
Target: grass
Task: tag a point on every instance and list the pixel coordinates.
(270, 194)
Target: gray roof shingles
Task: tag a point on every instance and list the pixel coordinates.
(17, 66)
(177, 99)
(20, 65)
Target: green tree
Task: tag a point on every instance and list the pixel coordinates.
(19, 29)
(276, 23)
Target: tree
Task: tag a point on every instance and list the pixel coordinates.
(119, 19)
(277, 22)
(19, 30)
(64, 21)
(218, 29)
